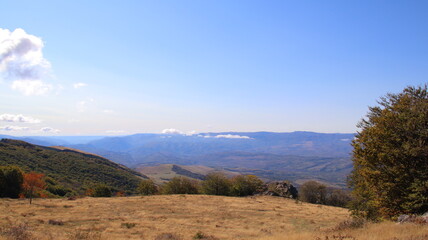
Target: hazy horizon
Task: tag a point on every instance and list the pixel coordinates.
(59, 135)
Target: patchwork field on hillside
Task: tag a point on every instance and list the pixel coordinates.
(174, 217)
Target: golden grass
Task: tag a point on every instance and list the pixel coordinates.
(268, 218)
(372, 231)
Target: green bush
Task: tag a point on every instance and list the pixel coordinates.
(338, 198)
(216, 184)
(147, 187)
(313, 192)
(102, 190)
(244, 185)
(12, 178)
(180, 185)
(317, 193)
(59, 190)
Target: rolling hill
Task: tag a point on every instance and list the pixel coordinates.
(165, 172)
(73, 169)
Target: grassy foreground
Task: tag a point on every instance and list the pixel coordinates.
(183, 216)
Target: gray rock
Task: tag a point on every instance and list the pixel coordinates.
(404, 218)
(423, 219)
(281, 189)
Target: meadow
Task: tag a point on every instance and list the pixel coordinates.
(187, 217)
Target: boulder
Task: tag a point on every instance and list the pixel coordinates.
(278, 188)
(422, 219)
(404, 218)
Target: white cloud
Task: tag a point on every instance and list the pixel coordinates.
(191, 133)
(22, 61)
(228, 136)
(171, 131)
(115, 131)
(18, 118)
(79, 85)
(49, 130)
(31, 87)
(345, 139)
(14, 128)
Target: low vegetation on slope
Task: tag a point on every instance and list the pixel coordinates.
(165, 172)
(72, 169)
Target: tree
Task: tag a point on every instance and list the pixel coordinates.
(147, 187)
(2, 183)
(216, 184)
(33, 183)
(313, 192)
(244, 185)
(101, 190)
(180, 185)
(12, 181)
(390, 157)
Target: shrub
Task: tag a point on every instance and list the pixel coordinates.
(180, 185)
(101, 190)
(128, 225)
(60, 190)
(56, 222)
(337, 198)
(244, 185)
(313, 192)
(203, 236)
(147, 187)
(216, 184)
(13, 178)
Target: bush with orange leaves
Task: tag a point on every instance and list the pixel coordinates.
(33, 184)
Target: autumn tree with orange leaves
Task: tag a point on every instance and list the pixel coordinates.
(33, 183)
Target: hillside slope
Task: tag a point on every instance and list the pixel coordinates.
(71, 168)
(165, 172)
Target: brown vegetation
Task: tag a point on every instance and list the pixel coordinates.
(186, 217)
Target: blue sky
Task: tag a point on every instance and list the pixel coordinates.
(145, 66)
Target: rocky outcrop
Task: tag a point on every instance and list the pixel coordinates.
(277, 188)
(422, 219)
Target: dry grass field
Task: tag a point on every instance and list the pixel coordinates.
(183, 217)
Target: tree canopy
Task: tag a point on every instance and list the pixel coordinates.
(390, 156)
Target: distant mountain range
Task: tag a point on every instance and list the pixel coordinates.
(294, 156)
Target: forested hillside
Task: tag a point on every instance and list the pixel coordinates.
(72, 169)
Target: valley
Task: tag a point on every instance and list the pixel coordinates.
(295, 156)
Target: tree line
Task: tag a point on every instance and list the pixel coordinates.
(14, 183)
